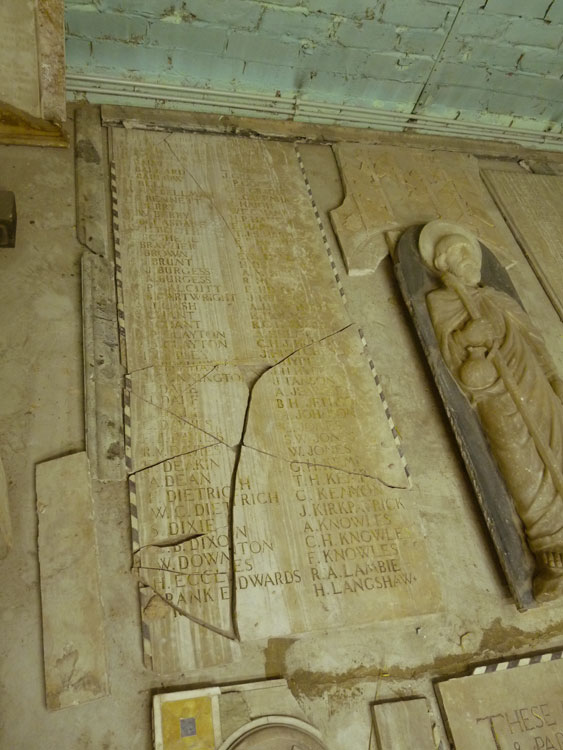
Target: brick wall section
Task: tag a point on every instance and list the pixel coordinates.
(477, 59)
(502, 58)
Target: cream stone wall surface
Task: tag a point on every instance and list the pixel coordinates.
(335, 674)
(268, 478)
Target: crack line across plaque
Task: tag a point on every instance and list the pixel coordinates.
(253, 418)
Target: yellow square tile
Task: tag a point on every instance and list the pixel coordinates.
(187, 724)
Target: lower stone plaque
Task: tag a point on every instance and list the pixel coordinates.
(310, 525)
(517, 705)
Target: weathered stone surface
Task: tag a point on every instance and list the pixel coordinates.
(247, 388)
(182, 508)
(531, 204)
(91, 181)
(321, 533)
(518, 707)
(320, 407)
(73, 622)
(391, 188)
(173, 643)
(403, 725)
(181, 408)
(51, 41)
(103, 373)
(324, 548)
(221, 257)
(180, 514)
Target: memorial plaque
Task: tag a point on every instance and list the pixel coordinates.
(320, 406)
(390, 188)
(179, 409)
(324, 531)
(221, 257)
(269, 495)
(531, 204)
(183, 550)
(511, 707)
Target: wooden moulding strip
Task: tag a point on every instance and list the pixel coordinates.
(152, 119)
(17, 128)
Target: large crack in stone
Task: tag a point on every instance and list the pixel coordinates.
(315, 409)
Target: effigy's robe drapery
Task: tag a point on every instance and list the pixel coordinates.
(417, 284)
(529, 481)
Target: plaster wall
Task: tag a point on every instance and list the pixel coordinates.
(490, 61)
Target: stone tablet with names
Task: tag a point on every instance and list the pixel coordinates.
(221, 257)
(513, 707)
(269, 492)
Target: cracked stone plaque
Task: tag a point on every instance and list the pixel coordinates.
(515, 705)
(184, 543)
(179, 408)
(390, 188)
(220, 253)
(269, 494)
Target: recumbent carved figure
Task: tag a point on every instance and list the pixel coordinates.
(500, 362)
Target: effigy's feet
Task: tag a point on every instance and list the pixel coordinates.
(548, 584)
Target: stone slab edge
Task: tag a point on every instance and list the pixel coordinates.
(72, 614)
(103, 373)
(91, 195)
(169, 120)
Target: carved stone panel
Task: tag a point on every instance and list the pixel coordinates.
(502, 393)
(515, 705)
(531, 204)
(389, 188)
(218, 266)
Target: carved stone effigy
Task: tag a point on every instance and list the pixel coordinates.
(501, 392)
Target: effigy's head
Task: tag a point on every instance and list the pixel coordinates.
(450, 248)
